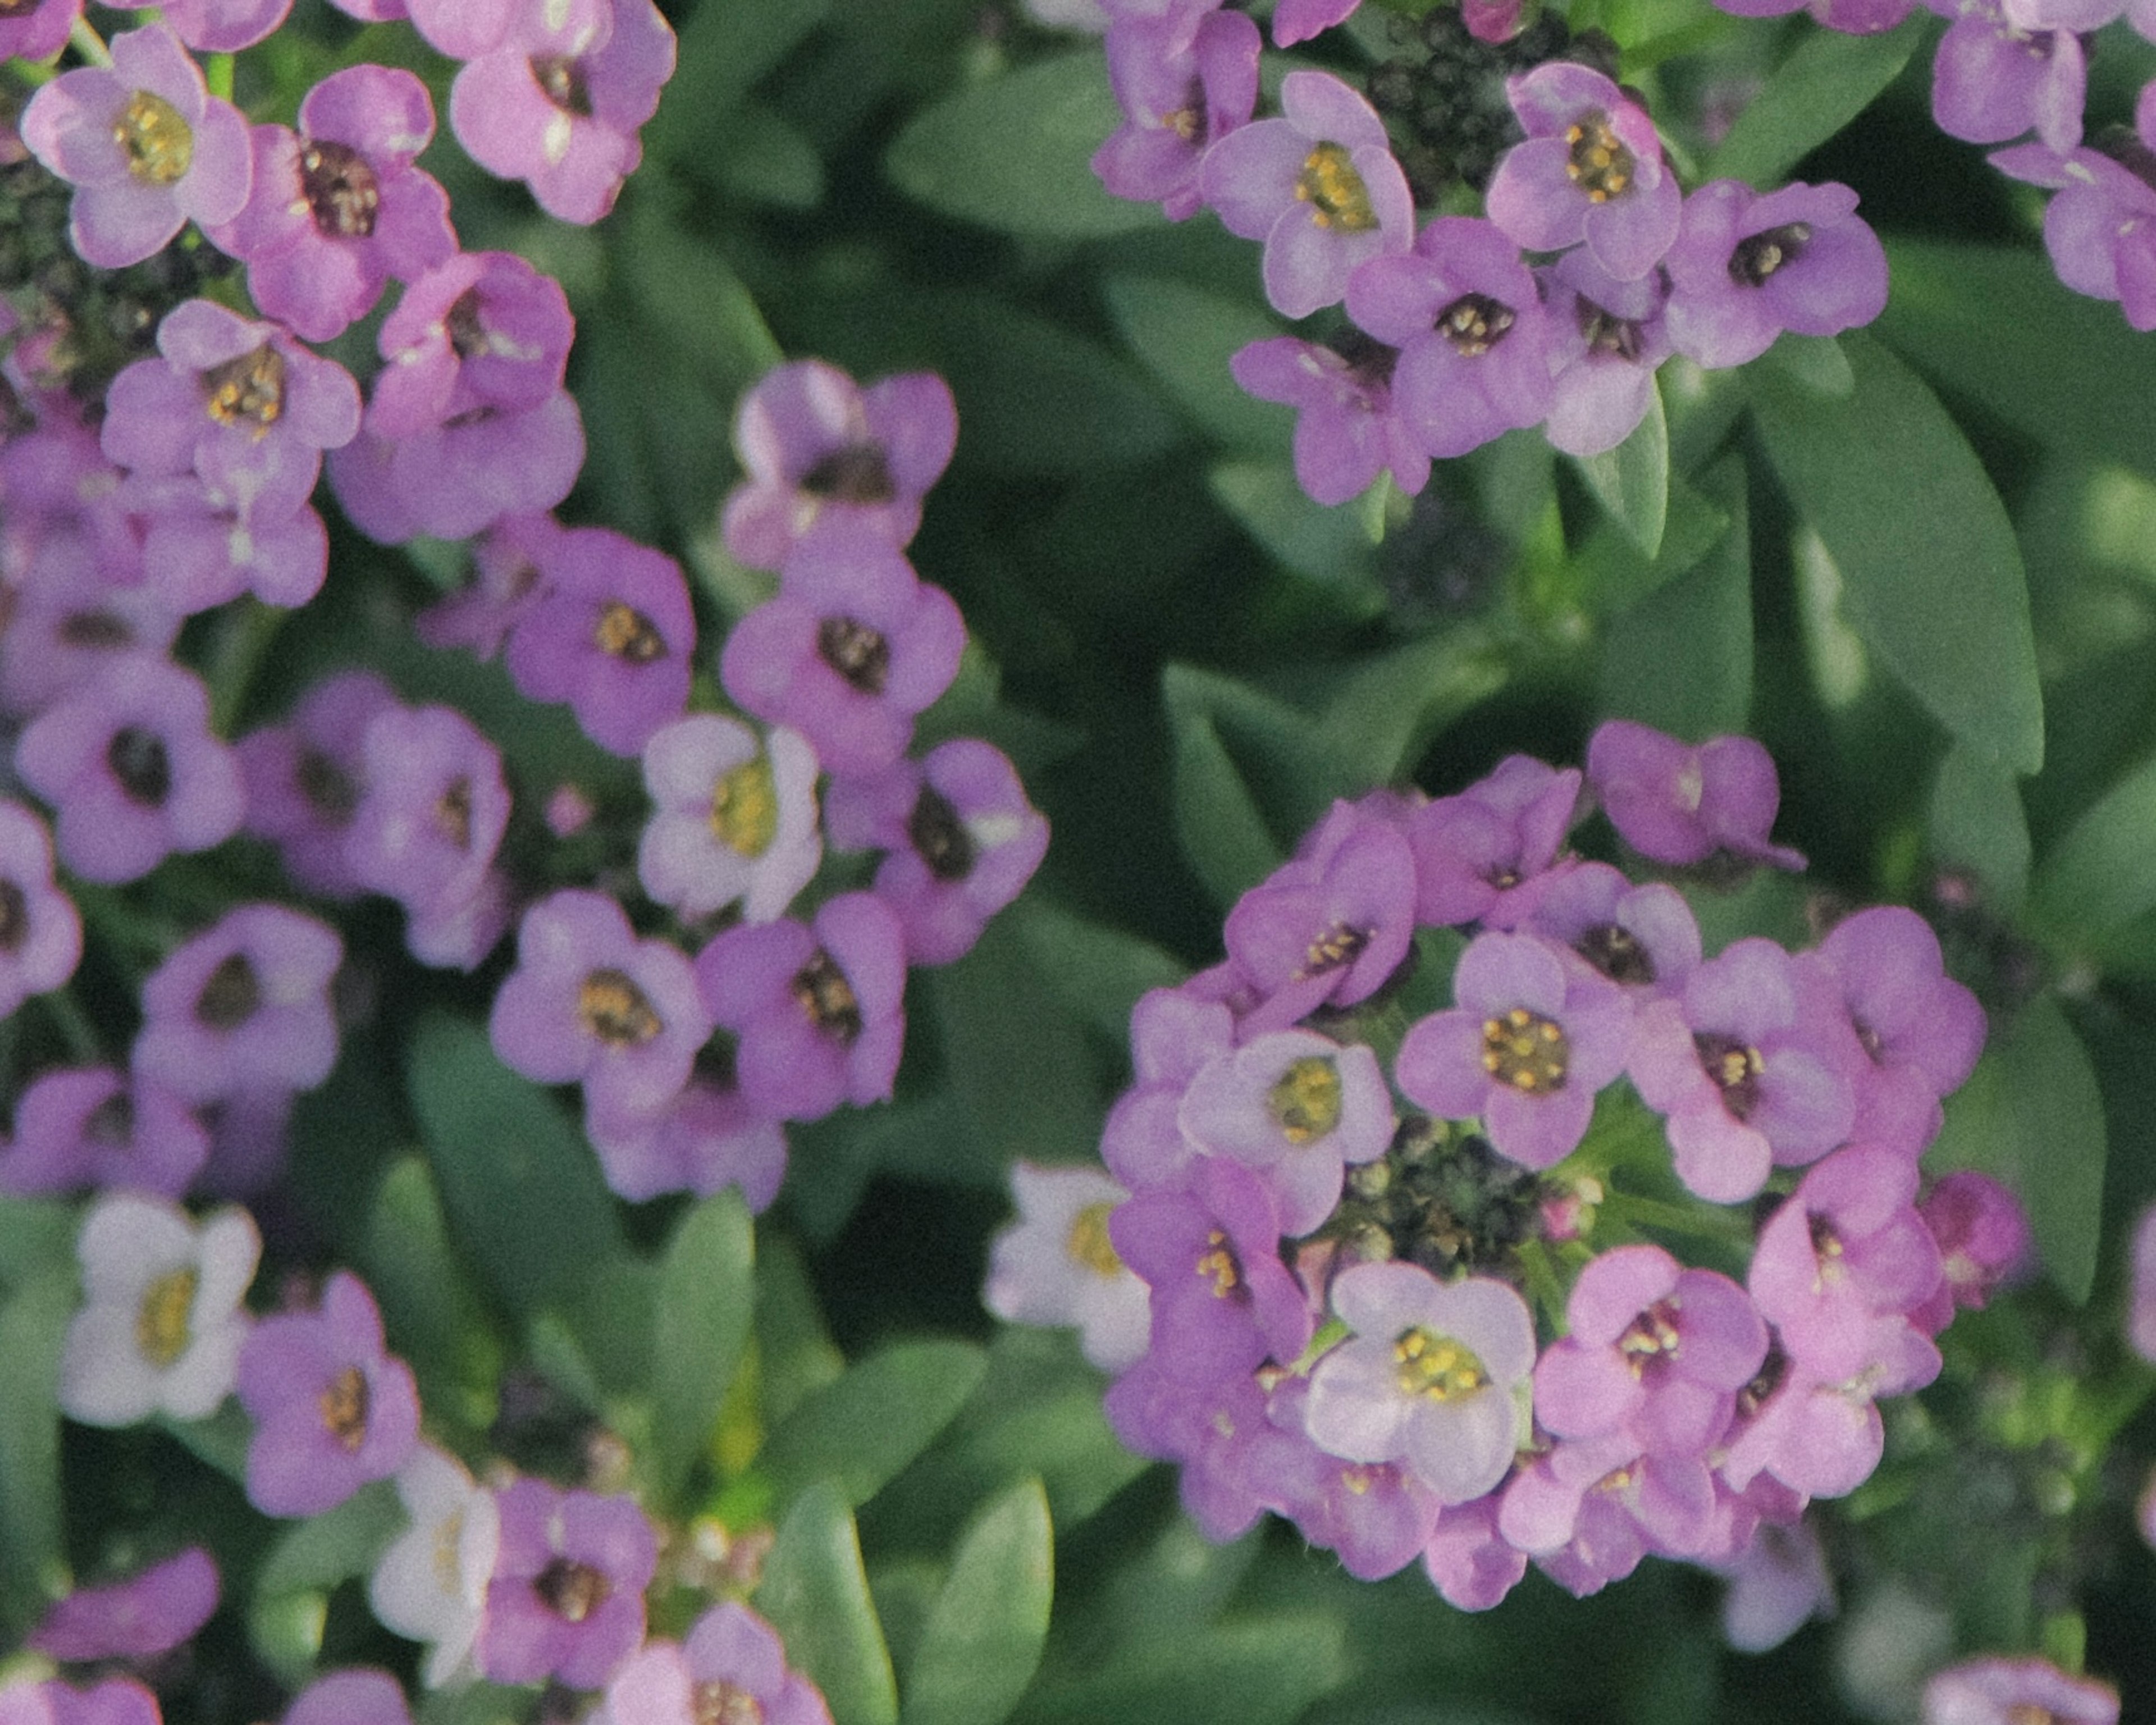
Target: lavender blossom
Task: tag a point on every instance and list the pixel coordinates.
(2006, 1691)
(38, 31)
(736, 818)
(94, 1127)
(1607, 339)
(1680, 804)
(1995, 78)
(1590, 169)
(304, 778)
(40, 931)
(1346, 430)
(149, 1613)
(730, 1667)
(1185, 79)
(566, 1599)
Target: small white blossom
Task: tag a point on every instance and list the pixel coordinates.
(1057, 1266)
(430, 1584)
(736, 817)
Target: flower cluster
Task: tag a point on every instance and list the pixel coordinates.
(1431, 1318)
(1589, 269)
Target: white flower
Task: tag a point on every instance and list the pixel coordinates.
(736, 817)
(160, 1326)
(430, 1584)
(1056, 1265)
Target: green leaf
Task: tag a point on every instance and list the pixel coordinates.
(795, 1355)
(2065, 369)
(521, 1188)
(1976, 822)
(1374, 718)
(1681, 659)
(37, 1239)
(1185, 337)
(1216, 819)
(858, 1430)
(336, 1545)
(1100, 971)
(1632, 481)
(1013, 153)
(1258, 1671)
(758, 156)
(433, 1318)
(706, 1300)
(33, 1323)
(984, 1634)
(722, 51)
(816, 1596)
(2103, 874)
(1827, 82)
(2031, 1116)
(1936, 588)
(1610, 575)
(1321, 544)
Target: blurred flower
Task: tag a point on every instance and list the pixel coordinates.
(730, 1668)
(566, 1598)
(1057, 1266)
(430, 1583)
(2008, 1691)
(148, 1614)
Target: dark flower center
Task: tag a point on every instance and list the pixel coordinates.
(854, 473)
(614, 1010)
(570, 1591)
(1757, 256)
(138, 760)
(1370, 363)
(250, 388)
(1305, 1101)
(823, 994)
(1475, 323)
(1827, 1249)
(1653, 1335)
(1597, 163)
(14, 917)
(341, 188)
(232, 996)
(1338, 946)
(1187, 122)
(1605, 332)
(859, 654)
(111, 1125)
(720, 1704)
(623, 632)
(1736, 1069)
(98, 631)
(468, 337)
(1330, 181)
(745, 808)
(940, 837)
(1616, 952)
(1525, 1051)
(453, 813)
(327, 787)
(561, 80)
(159, 144)
(1772, 1371)
(344, 1402)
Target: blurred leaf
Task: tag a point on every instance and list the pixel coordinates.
(2031, 1117)
(37, 1239)
(2102, 873)
(816, 1596)
(472, 1704)
(1976, 822)
(724, 48)
(521, 1188)
(2066, 370)
(795, 1355)
(983, 1636)
(1814, 363)
(1257, 1671)
(706, 1301)
(1632, 481)
(1216, 819)
(1609, 572)
(929, 1138)
(1013, 153)
(1321, 544)
(1827, 82)
(1681, 659)
(1100, 972)
(1185, 337)
(696, 302)
(334, 1545)
(432, 1318)
(1936, 586)
(758, 156)
(219, 1441)
(1374, 718)
(858, 1430)
(613, 1319)
(34, 1324)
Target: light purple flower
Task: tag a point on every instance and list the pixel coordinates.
(430, 1583)
(1778, 1582)
(2141, 1300)
(332, 1409)
(117, 1701)
(1435, 1377)
(148, 1614)
(2007, 1691)
(567, 1600)
(1995, 78)
(707, 1138)
(1607, 338)
(730, 1668)
(1346, 430)
(1591, 168)
(83, 600)
(1482, 855)
(1056, 1265)
(241, 524)
(1679, 803)
(1468, 1561)
(1819, 1435)
(243, 1007)
(506, 583)
(736, 818)
(1529, 1044)
(1185, 79)
(304, 778)
(146, 146)
(94, 1127)
(1640, 937)
(1378, 1517)
(431, 810)
(2100, 228)
(462, 476)
(40, 32)
(1319, 185)
(1172, 1034)
(483, 330)
(1982, 1232)
(1746, 266)
(40, 931)
(223, 26)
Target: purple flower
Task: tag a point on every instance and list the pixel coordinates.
(117, 1701)
(1819, 1436)
(1185, 79)
(339, 208)
(567, 1600)
(224, 26)
(611, 632)
(817, 1010)
(1590, 1509)
(2141, 1304)
(40, 931)
(1526, 1050)
(730, 1668)
(1172, 1034)
(2098, 228)
(146, 146)
(1319, 185)
(589, 1002)
(466, 29)
(430, 812)
(148, 1614)
(735, 819)
(1056, 1265)
(1679, 804)
(2007, 1691)
(1216, 1427)
(241, 524)
(1474, 350)
(706, 1138)
(40, 32)
(1482, 854)
(1746, 267)
(462, 476)
(1346, 430)
(1591, 169)
(960, 841)
(92, 1127)
(813, 443)
(332, 1409)
(243, 1007)
(483, 330)
(852, 648)
(1778, 1582)
(507, 582)
(1640, 937)
(82, 605)
(1376, 1516)
(1434, 1377)
(305, 777)
(558, 103)
(1982, 1232)
(131, 765)
(1468, 1561)
(1994, 78)
(1607, 339)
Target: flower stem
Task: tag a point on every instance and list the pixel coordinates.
(87, 43)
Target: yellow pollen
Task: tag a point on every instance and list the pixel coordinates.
(1186, 123)
(826, 999)
(1338, 945)
(720, 1704)
(613, 1009)
(345, 1404)
(745, 808)
(1357, 1479)
(1525, 1051)
(453, 815)
(448, 1569)
(1218, 1265)
(160, 1322)
(250, 388)
(1653, 1336)
(1598, 164)
(1329, 181)
(2027, 1713)
(160, 144)
(1089, 1244)
(1437, 1367)
(1306, 1101)
(624, 632)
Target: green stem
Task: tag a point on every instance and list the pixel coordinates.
(87, 43)
(241, 646)
(74, 1025)
(217, 73)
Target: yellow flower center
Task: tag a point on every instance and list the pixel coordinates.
(717, 1703)
(745, 808)
(826, 999)
(1525, 1051)
(1329, 181)
(570, 1591)
(1757, 256)
(614, 1010)
(1474, 324)
(250, 388)
(345, 1404)
(1217, 1265)
(1435, 1366)
(624, 632)
(1305, 1101)
(160, 144)
(1598, 164)
(160, 1322)
(1089, 1244)
(1653, 1335)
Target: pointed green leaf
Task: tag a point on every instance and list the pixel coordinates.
(858, 1430)
(1321, 544)
(705, 1300)
(1827, 82)
(1185, 337)
(1100, 971)
(1259, 1671)
(33, 1326)
(983, 1636)
(1632, 481)
(334, 1545)
(722, 51)
(1216, 819)
(1976, 822)
(1938, 590)
(2102, 873)
(434, 1317)
(816, 1596)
